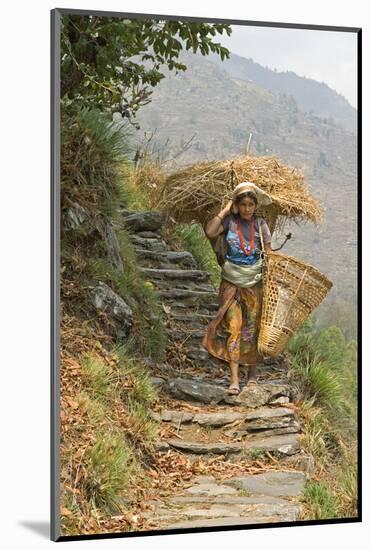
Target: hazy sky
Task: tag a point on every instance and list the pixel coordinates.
(326, 56)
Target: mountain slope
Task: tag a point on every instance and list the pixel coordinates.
(310, 95)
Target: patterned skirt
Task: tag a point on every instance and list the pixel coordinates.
(233, 334)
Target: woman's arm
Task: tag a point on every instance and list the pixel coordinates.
(215, 226)
(266, 236)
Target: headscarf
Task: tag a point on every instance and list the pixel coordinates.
(261, 196)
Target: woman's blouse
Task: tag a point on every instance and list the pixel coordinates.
(235, 254)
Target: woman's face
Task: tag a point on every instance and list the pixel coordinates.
(246, 208)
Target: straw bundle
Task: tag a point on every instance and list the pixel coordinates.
(199, 191)
(292, 290)
(149, 178)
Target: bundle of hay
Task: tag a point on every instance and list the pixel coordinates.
(198, 192)
(149, 178)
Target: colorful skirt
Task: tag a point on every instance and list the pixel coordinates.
(233, 334)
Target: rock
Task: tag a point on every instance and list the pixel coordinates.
(267, 421)
(109, 237)
(279, 512)
(266, 433)
(301, 461)
(149, 220)
(198, 355)
(175, 293)
(211, 489)
(215, 511)
(175, 416)
(203, 479)
(286, 444)
(154, 415)
(173, 274)
(149, 244)
(170, 257)
(216, 522)
(149, 234)
(77, 217)
(182, 388)
(157, 381)
(274, 483)
(190, 317)
(268, 417)
(180, 335)
(292, 428)
(280, 401)
(222, 499)
(263, 394)
(161, 446)
(105, 299)
(205, 448)
(217, 419)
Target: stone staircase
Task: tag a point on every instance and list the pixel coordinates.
(197, 417)
(240, 500)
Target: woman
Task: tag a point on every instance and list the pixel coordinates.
(233, 334)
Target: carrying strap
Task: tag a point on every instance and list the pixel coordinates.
(261, 234)
(264, 259)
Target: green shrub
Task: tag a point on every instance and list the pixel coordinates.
(194, 240)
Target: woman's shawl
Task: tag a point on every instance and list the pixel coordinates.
(243, 276)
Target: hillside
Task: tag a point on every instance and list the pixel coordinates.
(309, 94)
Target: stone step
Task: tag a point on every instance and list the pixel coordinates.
(252, 396)
(190, 317)
(184, 259)
(287, 444)
(138, 220)
(294, 427)
(198, 355)
(167, 285)
(182, 307)
(174, 274)
(149, 234)
(277, 483)
(257, 419)
(153, 244)
(186, 334)
(247, 512)
(223, 521)
(268, 497)
(224, 499)
(175, 293)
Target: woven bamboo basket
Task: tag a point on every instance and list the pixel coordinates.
(292, 290)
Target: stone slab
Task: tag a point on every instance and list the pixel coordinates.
(274, 483)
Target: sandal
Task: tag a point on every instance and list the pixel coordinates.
(251, 381)
(234, 389)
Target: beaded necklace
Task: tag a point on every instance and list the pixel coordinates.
(250, 247)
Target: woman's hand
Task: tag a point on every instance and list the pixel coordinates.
(227, 209)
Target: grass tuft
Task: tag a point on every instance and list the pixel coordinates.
(110, 468)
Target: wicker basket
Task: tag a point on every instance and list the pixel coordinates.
(292, 290)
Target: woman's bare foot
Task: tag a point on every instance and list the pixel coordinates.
(234, 388)
(251, 378)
